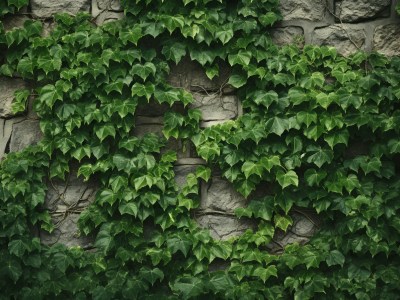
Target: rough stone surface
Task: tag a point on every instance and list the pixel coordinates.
(221, 196)
(7, 88)
(14, 21)
(304, 226)
(387, 39)
(216, 107)
(288, 35)
(344, 38)
(181, 172)
(25, 133)
(65, 201)
(191, 76)
(223, 227)
(311, 10)
(106, 10)
(5, 134)
(47, 8)
(358, 10)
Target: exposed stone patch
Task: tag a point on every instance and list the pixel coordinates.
(311, 10)
(106, 10)
(288, 35)
(347, 40)
(359, 10)
(387, 39)
(8, 86)
(181, 171)
(216, 107)
(15, 21)
(223, 227)
(48, 8)
(65, 201)
(25, 133)
(5, 134)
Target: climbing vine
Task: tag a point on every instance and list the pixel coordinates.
(321, 129)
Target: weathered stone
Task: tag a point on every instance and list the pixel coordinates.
(13, 21)
(5, 134)
(181, 172)
(358, 10)
(223, 227)
(154, 109)
(216, 107)
(191, 76)
(387, 39)
(311, 10)
(24, 133)
(288, 35)
(106, 10)
(47, 8)
(346, 39)
(303, 228)
(219, 195)
(8, 86)
(65, 201)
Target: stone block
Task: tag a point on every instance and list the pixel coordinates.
(24, 133)
(13, 21)
(191, 76)
(216, 107)
(8, 86)
(310, 10)
(47, 8)
(65, 201)
(106, 10)
(387, 39)
(181, 172)
(219, 195)
(288, 35)
(359, 10)
(304, 226)
(5, 134)
(346, 39)
(223, 227)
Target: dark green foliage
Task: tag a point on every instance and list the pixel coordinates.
(322, 130)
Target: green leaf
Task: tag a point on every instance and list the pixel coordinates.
(108, 196)
(266, 98)
(225, 34)
(143, 71)
(143, 90)
(132, 35)
(151, 275)
(286, 179)
(179, 243)
(394, 146)
(104, 239)
(128, 209)
(335, 257)
(268, 19)
(203, 173)
(319, 155)
(49, 94)
(17, 248)
(189, 287)
(241, 58)
(105, 131)
(277, 125)
(237, 81)
(221, 282)
(174, 51)
(269, 162)
(314, 177)
(20, 101)
(282, 222)
(249, 168)
(372, 165)
(265, 273)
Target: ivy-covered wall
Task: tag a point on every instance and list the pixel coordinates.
(223, 201)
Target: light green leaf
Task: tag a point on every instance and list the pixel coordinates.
(286, 179)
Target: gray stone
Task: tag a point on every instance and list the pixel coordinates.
(223, 227)
(5, 134)
(358, 10)
(65, 201)
(14, 21)
(387, 39)
(191, 76)
(216, 107)
(311, 10)
(47, 8)
(288, 35)
(219, 195)
(8, 86)
(305, 225)
(25, 133)
(346, 39)
(181, 172)
(106, 10)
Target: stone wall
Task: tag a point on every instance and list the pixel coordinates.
(349, 25)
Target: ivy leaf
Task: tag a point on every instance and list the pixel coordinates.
(286, 179)
(128, 209)
(202, 56)
(179, 243)
(203, 173)
(62, 261)
(131, 35)
(17, 247)
(20, 101)
(189, 287)
(221, 282)
(320, 156)
(335, 257)
(208, 150)
(108, 196)
(117, 183)
(277, 125)
(143, 90)
(241, 58)
(266, 98)
(265, 273)
(268, 19)
(104, 239)
(225, 34)
(269, 162)
(104, 131)
(174, 51)
(394, 146)
(282, 222)
(49, 94)
(314, 177)
(151, 275)
(237, 81)
(143, 71)
(372, 165)
(249, 168)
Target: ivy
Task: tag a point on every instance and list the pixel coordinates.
(319, 129)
